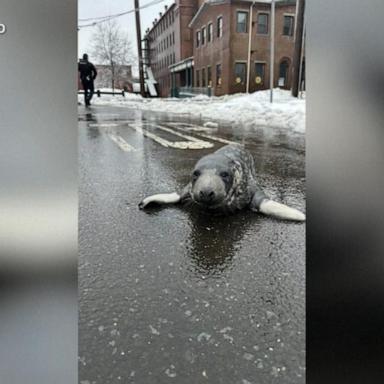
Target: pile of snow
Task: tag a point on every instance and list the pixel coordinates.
(252, 110)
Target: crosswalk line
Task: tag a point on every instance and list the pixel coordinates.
(191, 143)
(199, 131)
(121, 143)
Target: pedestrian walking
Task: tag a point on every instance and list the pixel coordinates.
(88, 74)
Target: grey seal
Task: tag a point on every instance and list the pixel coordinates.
(225, 181)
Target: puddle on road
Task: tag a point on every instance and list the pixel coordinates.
(178, 294)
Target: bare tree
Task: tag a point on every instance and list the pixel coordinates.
(112, 47)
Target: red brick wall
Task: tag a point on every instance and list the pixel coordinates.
(233, 46)
(218, 50)
(183, 11)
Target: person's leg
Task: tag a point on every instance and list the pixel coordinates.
(91, 91)
(89, 95)
(84, 83)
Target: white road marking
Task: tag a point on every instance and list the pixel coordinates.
(216, 138)
(192, 142)
(106, 114)
(169, 130)
(199, 129)
(190, 127)
(121, 143)
(102, 125)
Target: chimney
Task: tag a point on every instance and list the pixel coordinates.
(166, 7)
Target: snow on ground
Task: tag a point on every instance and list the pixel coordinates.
(252, 110)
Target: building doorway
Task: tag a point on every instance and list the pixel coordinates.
(283, 74)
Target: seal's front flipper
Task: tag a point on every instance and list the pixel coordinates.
(261, 203)
(161, 198)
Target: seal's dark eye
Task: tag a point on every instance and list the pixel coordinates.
(224, 175)
(196, 174)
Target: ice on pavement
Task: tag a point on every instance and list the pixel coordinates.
(252, 110)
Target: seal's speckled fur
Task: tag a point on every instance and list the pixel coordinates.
(244, 186)
(225, 181)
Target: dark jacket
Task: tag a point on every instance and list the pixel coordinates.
(87, 70)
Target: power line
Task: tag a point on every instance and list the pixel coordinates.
(103, 19)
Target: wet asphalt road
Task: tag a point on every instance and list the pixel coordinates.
(174, 295)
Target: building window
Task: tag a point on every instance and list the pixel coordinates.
(218, 74)
(259, 73)
(203, 35)
(220, 26)
(288, 26)
(242, 22)
(197, 78)
(262, 23)
(174, 60)
(240, 71)
(209, 76)
(203, 84)
(210, 32)
(198, 38)
(173, 37)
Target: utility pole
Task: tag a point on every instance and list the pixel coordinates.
(272, 51)
(298, 54)
(249, 45)
(139, 48)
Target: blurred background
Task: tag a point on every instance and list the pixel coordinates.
(38, 191)
(345, 162)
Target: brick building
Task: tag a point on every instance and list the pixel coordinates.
(211, 46)
(170, 42)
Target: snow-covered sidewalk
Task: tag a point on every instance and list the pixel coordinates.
(252, 110)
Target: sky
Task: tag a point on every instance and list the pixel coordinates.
(96, 8)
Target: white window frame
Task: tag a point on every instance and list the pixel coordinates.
(210, 24)
(222, 26)
(203, 38)
(247, 22)
(269, 23)
(294, 25)
(198, 38)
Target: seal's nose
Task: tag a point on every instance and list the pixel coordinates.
(207, 195)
